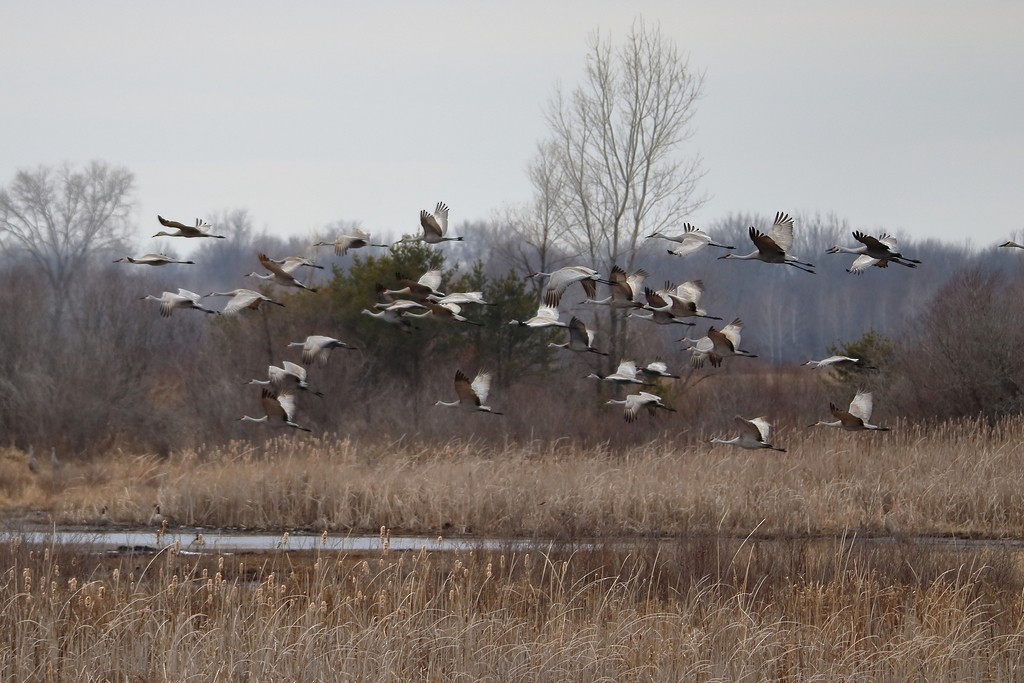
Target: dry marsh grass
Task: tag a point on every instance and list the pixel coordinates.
(682, 562)
(957, 478)
(707, 610)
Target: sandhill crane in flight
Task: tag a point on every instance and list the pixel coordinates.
(242, 299)
(624, 289)
(200, 229)
(559, 280)
(279, 411)
(277, 274)
(874, 251)
(624, 374)
(671, 305)
(718, 345)
(353, 239)
(657, 369)
(472, 395)
(839, 361)
(292, 263)
(447, 312)
(434, 226)
(317, 348)
(396, 313)
(547, 316)
(856, 418)
(580, 338)
(421, 289)
(152, 260)
(774, 247)
(460, 298)
(693, 239)
(183, 299)
(1011, 245)
(287, 378)
(634, 402)
(753, 435)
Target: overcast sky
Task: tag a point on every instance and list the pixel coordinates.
(903, 115)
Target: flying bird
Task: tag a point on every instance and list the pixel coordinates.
(278, 409)
(183, 299)
(560, 280)
(753, 434)
(434, 226)
(856, 418)
(624, 374)
(624, 289)
(354, 239)
(151, 260)
(547, 316)
(242, 299)
(634, 402)
(580, 338)
(839, 361)
(774, 247)
(318, 348)
(200, 229)
(287, 378)
(692, 240)
(472, 395)
(874, 251)
(718, 345)
(278, 274)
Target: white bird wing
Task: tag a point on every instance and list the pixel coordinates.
(764, 428)
(657, 366)
(186, 294)
(888, 240)
(782, 231)
(732, 332)
(547, 313)
(647, 397)
(287, 404)
(632, 406)
(462, 298)
(861, 405)
(431, 278)
(482, 386)
(692, 239)
(294, 369)
(242, 299)
(690, 290)
(862, 263)
(627, 368)
(832, 360)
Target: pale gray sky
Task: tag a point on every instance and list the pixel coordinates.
(907, 115)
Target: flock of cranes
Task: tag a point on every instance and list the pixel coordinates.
(421, 298)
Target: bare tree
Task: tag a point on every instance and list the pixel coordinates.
(59, 217)
(534, 231)
(619, 137)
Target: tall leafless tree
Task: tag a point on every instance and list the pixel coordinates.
(59, 217)
(619, 140)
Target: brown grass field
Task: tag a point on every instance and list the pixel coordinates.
(681, 562)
